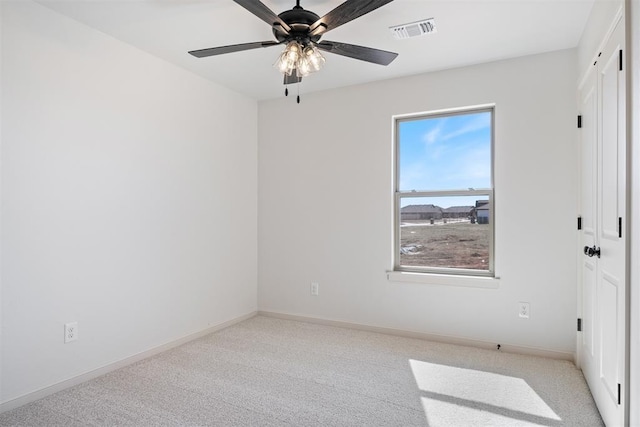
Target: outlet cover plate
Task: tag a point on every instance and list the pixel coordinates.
(524, 310)
(70, 332)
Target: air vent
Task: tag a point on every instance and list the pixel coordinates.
(414, 29)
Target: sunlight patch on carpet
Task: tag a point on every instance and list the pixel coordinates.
(477, 397)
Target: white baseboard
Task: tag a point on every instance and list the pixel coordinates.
(39, 394)
(505, 347)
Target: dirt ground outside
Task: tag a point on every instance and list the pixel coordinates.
(453, 244)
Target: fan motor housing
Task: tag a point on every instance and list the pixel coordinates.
(299, 20)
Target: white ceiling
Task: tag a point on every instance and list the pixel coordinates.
(468, 32)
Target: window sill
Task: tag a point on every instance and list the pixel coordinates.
(444, 279)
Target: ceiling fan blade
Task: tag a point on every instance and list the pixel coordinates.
(362, 53)
(263, 12)
(202, 53)
(347, 11)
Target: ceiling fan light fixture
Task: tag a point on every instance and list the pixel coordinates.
(314, 57)
(288, 59)
(304, 60)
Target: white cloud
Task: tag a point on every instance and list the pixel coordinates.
(480, 122)
(433, 135)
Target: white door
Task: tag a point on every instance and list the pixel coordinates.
(603, 144)
(589, 186)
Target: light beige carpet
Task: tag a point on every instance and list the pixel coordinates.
(273, 372)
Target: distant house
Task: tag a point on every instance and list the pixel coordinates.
(482, 211)
(416, 212)
(457, 212)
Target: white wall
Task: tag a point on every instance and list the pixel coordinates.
(129, 200)
(325, 196)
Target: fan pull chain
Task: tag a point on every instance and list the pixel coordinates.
(286, 92)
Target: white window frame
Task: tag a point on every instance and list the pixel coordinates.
(483, 192)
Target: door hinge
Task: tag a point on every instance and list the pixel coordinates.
(579, 223)
(579, 325)
(620, 57)
(619, 394)
(579, 122)
(620, 227)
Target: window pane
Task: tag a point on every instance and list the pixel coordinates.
(445, 232)
(445, 152)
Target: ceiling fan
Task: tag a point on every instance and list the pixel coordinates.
(301, 31)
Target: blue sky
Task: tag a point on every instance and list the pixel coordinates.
(446, 153)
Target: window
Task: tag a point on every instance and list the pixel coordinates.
(444, 192)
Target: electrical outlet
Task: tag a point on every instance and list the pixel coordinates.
(70, 332)
(314, 288)
(524, 310)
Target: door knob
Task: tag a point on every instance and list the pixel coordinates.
(591, 251)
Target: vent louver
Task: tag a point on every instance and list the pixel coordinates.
(414, 29)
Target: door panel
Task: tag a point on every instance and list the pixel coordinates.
(603, 198)
(611, 201)
(609, 335)
(589, 183)
(589, 167)
(609, 80)
(589, 310)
